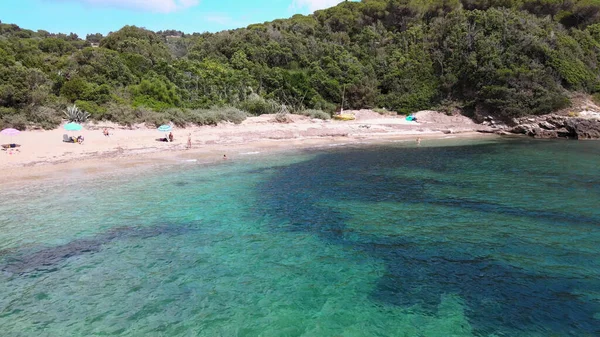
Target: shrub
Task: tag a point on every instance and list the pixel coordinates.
(215, 115)
(156, 93)
(45, 117)
(122, 114)
(596, 98)
(149, 117)
(38, 95)
(320, 114)
(75, 88)
(325, 106)
(204, 117)
(256, 105)
(17, 121)
(449, 107)
(56, 102)
(96, 111)
(4, 111)
(179, 117)
(232, 114)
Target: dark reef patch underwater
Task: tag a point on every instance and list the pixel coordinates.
(519, 199)
(47, 259)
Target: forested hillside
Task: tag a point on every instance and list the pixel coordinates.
(505, 57)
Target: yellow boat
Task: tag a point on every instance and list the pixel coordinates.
(344, 117)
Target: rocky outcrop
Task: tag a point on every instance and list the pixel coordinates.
(583, 128)
(556, 126)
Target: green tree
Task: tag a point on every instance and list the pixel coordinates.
(503, 57)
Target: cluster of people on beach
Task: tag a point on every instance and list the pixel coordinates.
(11, 148)
(79, 139)
(169, 138)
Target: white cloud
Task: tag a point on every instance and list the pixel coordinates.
(314, 5)
(161, 6)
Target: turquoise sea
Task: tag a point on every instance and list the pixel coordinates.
(456, 237)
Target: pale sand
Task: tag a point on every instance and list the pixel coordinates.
(43, 154)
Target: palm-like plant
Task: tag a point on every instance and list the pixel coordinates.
(74, 114)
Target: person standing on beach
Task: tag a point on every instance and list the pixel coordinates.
(189, 142)
(418, 140)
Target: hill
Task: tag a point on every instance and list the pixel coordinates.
(508, 58)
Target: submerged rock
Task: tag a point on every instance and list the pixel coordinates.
(48, 259)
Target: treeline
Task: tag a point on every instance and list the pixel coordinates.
(504, 57)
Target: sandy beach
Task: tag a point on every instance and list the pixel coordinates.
(43, 153)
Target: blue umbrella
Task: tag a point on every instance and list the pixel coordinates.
(165, 128)
(73, 127)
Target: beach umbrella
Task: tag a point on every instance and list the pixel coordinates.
(165, 128)
(10, 132)
(73, 127)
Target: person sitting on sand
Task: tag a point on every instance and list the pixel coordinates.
(224, 157)
(171, 137)
(105, 132)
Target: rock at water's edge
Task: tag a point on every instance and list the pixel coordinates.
(555, 126)
(583, 128)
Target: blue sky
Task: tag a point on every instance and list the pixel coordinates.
(102, 16)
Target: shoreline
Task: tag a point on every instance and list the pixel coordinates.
(42, 157)
(113, 162)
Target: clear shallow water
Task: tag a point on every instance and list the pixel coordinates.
(494, 238)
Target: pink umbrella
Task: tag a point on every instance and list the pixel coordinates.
(10, 132)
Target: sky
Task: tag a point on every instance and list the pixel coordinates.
(103, 16)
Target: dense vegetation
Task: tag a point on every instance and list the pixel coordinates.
(505, 57)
